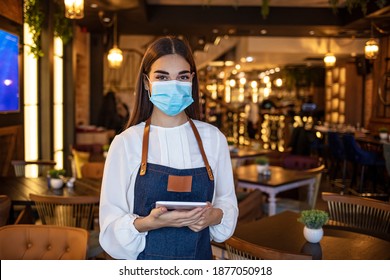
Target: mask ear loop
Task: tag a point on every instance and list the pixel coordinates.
(147, 88)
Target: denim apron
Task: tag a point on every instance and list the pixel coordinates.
(151, 185)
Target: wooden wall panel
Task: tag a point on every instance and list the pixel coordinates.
(11, 147)
(12, 10)
(381, 113)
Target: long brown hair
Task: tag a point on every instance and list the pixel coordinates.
(163, 46)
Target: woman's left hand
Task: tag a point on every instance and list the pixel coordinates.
(212, 216)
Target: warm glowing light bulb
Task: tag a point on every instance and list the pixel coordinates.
(115, 57)
(232, 83)
(329, 60)
(371, 49)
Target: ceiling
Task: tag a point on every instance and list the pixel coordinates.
(201, 21)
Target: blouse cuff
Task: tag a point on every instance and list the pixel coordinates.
(132, 227)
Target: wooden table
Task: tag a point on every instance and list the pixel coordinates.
(280, 180)
(18, 189)
(240, 154)
(247, 152)
(285, 233)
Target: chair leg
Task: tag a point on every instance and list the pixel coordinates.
(362, 179)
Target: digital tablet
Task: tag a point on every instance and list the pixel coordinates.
(180, 205)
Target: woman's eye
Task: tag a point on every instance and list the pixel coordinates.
(184, 78)
(162, 78)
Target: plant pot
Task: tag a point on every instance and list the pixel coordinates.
(313, 235)
(383, 135)
(262, 168)
(56, 183)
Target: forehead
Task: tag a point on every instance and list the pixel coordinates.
(171, 63)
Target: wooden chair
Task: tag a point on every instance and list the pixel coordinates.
(42, 242)
(25, 215)
(239, 249)
(76, 211)
(78, 159)
(5, 208)
(43, 166)
(250, 206)
(364, 215)
(92, 170)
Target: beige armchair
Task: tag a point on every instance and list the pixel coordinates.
(42, 242)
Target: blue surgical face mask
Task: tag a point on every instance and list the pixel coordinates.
(171, 97)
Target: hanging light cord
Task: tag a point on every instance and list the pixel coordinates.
(115, 30)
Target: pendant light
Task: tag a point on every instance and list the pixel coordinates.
(74, 9)
(329, 59)
(115, 56)
(371, 48)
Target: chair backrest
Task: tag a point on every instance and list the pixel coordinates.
(239, 249)
(79, 158)
(75, 211)
(360, 214)
(5, 207)
(43, 166)
(250, 206)
(355, 153)
(300, 162)
(92, 170)
(336, 146)
(42, 242)
(386, 155)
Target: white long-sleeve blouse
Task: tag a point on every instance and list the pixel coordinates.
(174, 147)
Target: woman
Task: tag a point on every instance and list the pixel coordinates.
(164, 155)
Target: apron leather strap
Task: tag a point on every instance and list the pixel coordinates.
(145, 147)
(200, 144)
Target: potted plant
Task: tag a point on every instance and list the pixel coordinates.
(262, 164)
(313, 220)
(105, 149)
(56, 178)
(383, 133)
(231, 145)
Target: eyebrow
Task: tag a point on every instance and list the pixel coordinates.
(166, 73)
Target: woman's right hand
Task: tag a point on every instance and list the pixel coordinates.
(161, 217)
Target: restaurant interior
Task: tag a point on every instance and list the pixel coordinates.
(300, 89)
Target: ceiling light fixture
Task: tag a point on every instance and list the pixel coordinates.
(329, 59)
(371, 48)
(74, 9)
(115, 56)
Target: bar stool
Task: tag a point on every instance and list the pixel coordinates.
(357, 156)
(338, 159)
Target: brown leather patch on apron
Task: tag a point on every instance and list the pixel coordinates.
(179, 183)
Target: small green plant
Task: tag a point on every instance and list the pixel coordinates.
(262, 160)
(313, 219)
(56, 173)
(34, 17)
(231, 142)
(383, 130)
